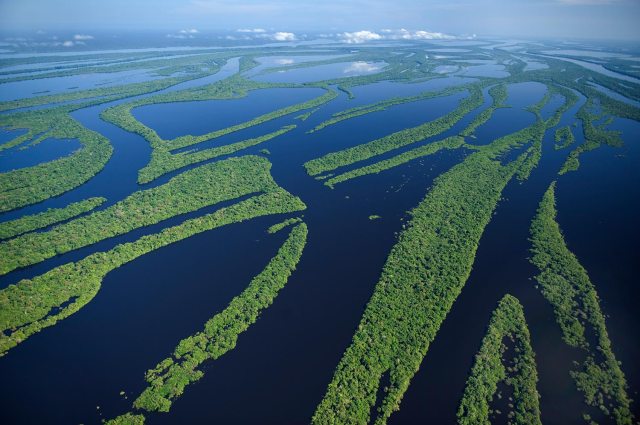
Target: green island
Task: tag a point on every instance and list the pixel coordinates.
(595, 135)
(453, 142)
(498, 95)
(424, 273)
(33, 304)
(564, 137)
(396, 140)
(163, 160)
(567, 287)
(167, 381)
(507, 327)
(209, 181)
(190, 191)
(383, 105)
(34, 184)
(283, 224)
(26, 224)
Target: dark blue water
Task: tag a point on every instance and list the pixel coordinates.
(8, 135)
(512, 118)
(281, 366)
(172, 120)
(501, 266)
(45, 151)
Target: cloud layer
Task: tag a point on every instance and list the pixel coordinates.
(391, 34)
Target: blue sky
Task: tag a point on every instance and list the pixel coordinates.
(617, 19)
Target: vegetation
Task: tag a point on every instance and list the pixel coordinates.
(167, 381)
(383, 105)
(396, 140)
(422, 277)
(29, 223)
(283, 224)
(564, 137)
(421, 151)
(121, 115)
(566, 285)
(190, 191)
(163, 161)
(595, 135)
(507, 323)
(33, 304)
(499, 96)
(127, 419)
(30, 185)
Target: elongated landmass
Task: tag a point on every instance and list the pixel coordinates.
(34, 304)
(498, 95)
(422, 277)
(190, 191)
(26, 186)
(382, 106)
(163, 161)
(395, 140)
(490, 368)
(29, 223)
(121, 116)
(168, 380)
(564, 137)
(566, 285)
(595, 135)
(453, 142)
(283, 224)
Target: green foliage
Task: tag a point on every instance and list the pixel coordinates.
(33, 304)
(507, 321)
(127, 419)
(422, 277)
(594, 137)
(499, 96)
(226, 89)
(283, 224)
(566, 285)
(187, 192)
(383, 105)
(30, 185)
(395, 140)
(374, 217)
(564, 137)
(25, 224)
(163, 161)
(453, 142)
(168, 379)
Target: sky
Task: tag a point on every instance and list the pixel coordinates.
(585, 19)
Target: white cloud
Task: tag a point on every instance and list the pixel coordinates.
(183, 34)
(361, 67)
(403, 34)
(360, 37)
(283, 36)
(393, 34)
(68, 43)
(252, 30)
(83, 37)
(285, 61)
